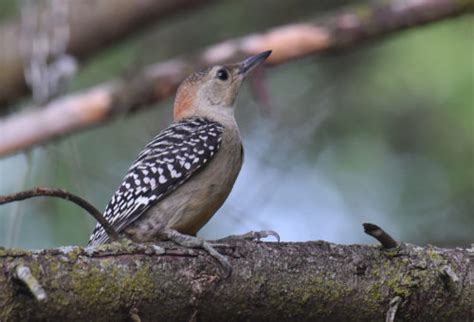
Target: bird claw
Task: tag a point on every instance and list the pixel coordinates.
(257, 235)
(225, 265)
(197, 242)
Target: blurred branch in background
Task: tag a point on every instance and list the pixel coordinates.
(94, 106)
(93, 25)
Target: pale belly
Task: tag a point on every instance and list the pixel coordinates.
(190, 207)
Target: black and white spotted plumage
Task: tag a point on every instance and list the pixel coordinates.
(168, 161)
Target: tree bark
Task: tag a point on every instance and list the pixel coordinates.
(99, 104)
(312, 281)
(94, 25)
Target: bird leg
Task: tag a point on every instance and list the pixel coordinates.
(197, 242)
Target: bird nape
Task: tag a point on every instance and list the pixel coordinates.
(184, 175)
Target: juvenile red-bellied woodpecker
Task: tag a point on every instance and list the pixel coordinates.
(184, 175)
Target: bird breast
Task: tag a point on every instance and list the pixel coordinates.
(191, 205)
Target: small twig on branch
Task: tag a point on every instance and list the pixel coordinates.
(134, 315)
(392, 311)
(23, 273)
(382, 236)
(449, 277)
(58, 193)
(157, 82)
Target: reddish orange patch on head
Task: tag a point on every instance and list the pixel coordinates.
(184, 104)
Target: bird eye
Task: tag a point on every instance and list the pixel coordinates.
(222, 74)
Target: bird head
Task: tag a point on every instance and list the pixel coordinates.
(213, 90)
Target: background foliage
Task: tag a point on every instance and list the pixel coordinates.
(383, 133)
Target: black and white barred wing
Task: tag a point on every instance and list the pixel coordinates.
(170, 159)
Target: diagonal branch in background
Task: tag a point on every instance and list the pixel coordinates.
(111, 21)
(156, 82)
(311, 281)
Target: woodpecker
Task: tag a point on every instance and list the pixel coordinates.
(184, 175)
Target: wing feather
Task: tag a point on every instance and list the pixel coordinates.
(167, 162)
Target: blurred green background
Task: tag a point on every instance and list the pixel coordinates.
(383, 133)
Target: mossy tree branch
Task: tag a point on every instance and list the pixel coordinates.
(312, 281)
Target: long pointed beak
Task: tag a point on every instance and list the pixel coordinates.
(249, 64)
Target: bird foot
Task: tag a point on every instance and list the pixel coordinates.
(197, 242)
(257, 235)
